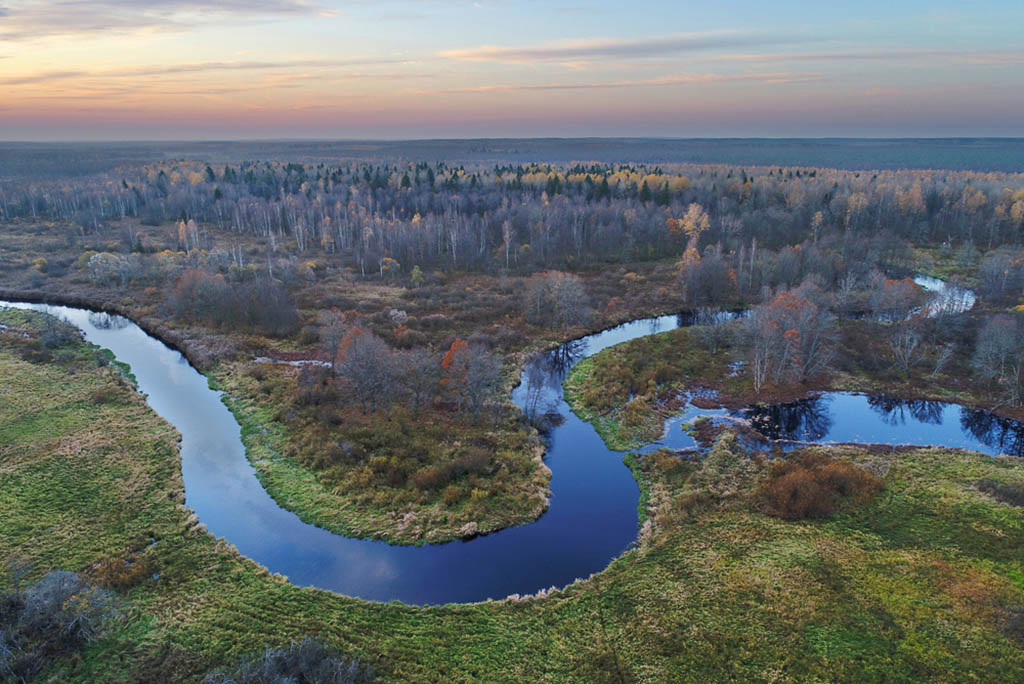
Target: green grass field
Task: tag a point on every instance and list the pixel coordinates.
(925, 583)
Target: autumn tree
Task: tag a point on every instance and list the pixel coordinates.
(899, 306)
(556, 299)
(366, 368)
(893, 300)
(999, 354)
(690, 227)
(1001, 277)
(790, 338)
(472, 376)
(333, 325)
(199, 296)
(707, 280)
(418, 373)
(906, 339)
(711, 330)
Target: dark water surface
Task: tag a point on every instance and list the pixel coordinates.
(592, 518)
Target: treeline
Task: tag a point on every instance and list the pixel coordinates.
(389, 218)
(213, 286)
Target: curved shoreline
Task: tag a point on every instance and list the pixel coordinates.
(168, 336)
(592, 518)
(571, 541)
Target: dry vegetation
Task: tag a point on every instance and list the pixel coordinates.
(403, 476)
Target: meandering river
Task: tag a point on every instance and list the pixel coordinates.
(592, 517)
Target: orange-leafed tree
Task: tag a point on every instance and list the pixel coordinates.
(790, 338)
(471, 376)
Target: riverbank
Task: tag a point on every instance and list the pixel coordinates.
(505, 482)
(627, 392)
(923, 584)
(456, 478)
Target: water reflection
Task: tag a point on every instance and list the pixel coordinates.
(948, 299)
(557, 362)
(105, 321)
(895, 411)
(806, 420)
(882, 419)
(1001, 434)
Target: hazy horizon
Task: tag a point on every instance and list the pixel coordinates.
(497, 138)
(189, 70)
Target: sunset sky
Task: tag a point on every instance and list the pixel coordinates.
(163, 69)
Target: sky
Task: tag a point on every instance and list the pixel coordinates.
(396, 69)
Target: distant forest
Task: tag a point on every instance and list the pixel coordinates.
(389, 218)
(66, 160)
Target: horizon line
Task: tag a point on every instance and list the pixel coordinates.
(631, 138)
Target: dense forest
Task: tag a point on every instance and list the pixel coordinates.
(750, 228)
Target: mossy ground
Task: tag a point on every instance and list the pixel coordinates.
(922, 584)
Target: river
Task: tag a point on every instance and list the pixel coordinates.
(591, 519)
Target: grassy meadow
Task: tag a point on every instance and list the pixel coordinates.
(923, 582)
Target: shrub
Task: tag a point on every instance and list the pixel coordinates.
(1015, 626)
(35, 352)
(451, 495)
(431, 478)
(808, 486)
(304, 662)
(473, 461)
(727, 470)
(556, 299)
(107, 394)
(798, 495)
(846, 479)
(50, 619)
(635, 412)
(1009, 493)
(121, 573)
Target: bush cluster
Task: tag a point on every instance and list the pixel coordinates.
(121, 573)
(304, 662)
(258, 304)
(1008, 493)
(50, 619)
(809, 485)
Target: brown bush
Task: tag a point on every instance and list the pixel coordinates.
(635, 412)
(431, 478)
(847, 480)
(121, 573)
(798, 495)
(1015, 625)
(1008, 493)
(107, 394)
(663, 373)
(808, 486)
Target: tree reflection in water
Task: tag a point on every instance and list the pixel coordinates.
(105, 321)
(894, 411)
(537, 379)
(559, 360)
(806, 420)
(543, 382)
(996, 432)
